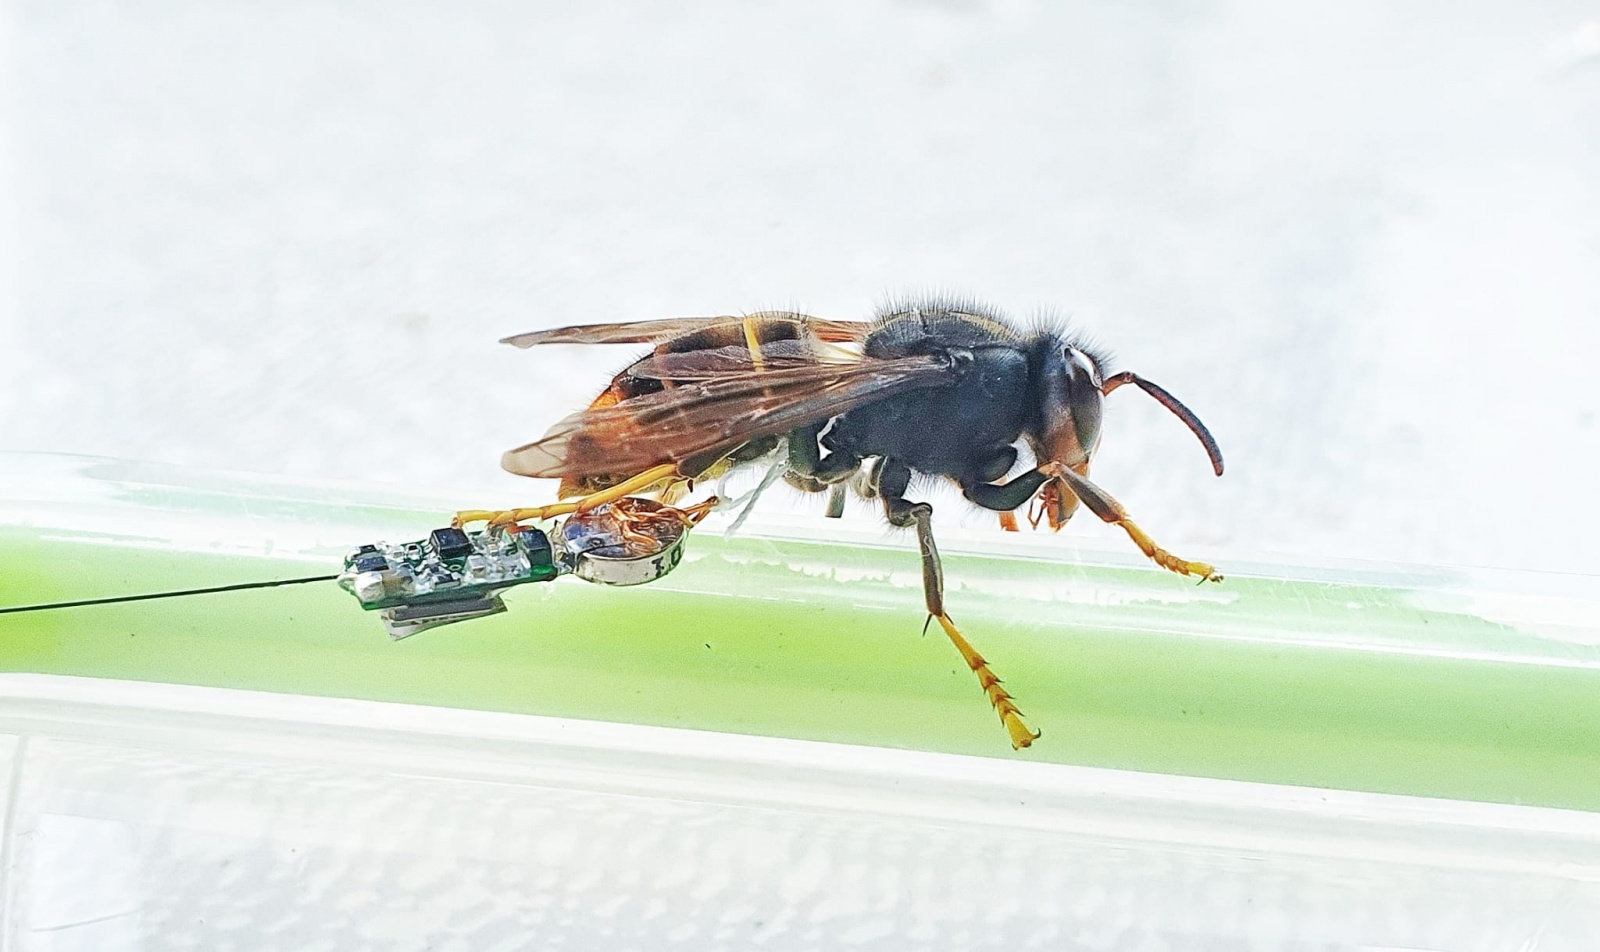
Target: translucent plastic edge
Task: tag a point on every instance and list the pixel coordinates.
(788, 774)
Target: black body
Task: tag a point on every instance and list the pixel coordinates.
(1010, 386)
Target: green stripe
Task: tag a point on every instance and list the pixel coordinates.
(1256, 679)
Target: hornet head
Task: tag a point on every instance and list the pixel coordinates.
(1071, 387)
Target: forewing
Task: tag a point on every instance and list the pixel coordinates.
(650, 332)
(709, 363)
(715, 409)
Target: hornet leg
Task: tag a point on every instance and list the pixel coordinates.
(1007, 497)
(806, 459)
(644, 480)
(892, 481)
(1109, 510)
(811, 472)
(836, 501)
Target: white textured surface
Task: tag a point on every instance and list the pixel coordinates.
(234, 820)
(1361, 242)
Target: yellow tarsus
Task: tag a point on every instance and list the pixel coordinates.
(501, 517)
(1021, 735)
(1164, 558)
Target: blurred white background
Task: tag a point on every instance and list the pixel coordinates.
(1359, 239)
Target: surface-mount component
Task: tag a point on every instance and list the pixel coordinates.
(449, 576)
(455, 574)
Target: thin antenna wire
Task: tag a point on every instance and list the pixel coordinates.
(50, 606)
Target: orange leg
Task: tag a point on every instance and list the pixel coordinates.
(1165, 559)
(892, 480)
(1109, 510)
(1010, 716)
(627, 487)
